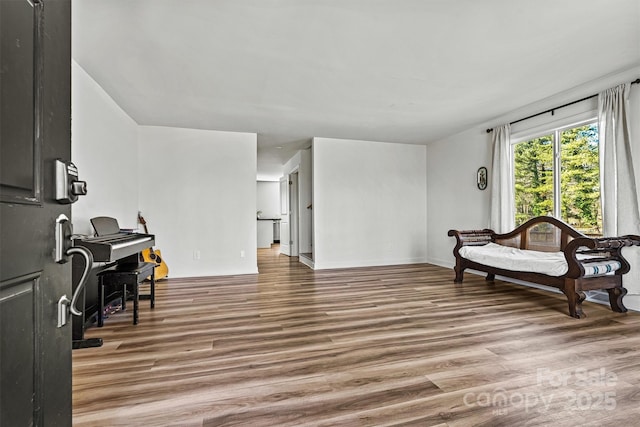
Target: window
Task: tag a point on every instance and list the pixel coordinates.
(557, 173)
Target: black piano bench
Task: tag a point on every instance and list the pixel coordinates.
(119, 279)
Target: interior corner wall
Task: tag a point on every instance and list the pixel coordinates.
(369, 203)
(454, 199)
(104, 148)
(197, 192)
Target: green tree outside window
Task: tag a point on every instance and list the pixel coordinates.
(579, 175)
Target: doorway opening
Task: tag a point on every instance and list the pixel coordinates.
(296, 217)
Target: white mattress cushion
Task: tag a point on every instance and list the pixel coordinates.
(513, 259)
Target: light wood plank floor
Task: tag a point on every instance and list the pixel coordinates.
(398, 345)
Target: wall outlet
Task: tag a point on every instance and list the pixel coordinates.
(196, 254)
(241, 254)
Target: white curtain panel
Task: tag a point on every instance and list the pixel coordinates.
(619, 196)
(502, 217)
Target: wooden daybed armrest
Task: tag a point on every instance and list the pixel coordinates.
(471, 238)
(606, 248)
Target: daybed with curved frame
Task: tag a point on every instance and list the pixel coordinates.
(591, 263)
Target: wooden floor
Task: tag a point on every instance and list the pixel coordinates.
(398, 345)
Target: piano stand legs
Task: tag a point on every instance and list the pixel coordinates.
(125, 277)
(86, 343)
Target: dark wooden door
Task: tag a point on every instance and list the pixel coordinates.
(35, 129)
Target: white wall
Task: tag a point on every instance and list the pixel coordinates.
(369, 203)
(453, 198)
(104, 147)
(198, 195)
(268, 198)
(196, 189)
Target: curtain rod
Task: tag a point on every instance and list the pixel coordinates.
(551, 110)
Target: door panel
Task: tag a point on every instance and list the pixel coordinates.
(284, 216)
(18, 366)
(293, 214)
(35, 355)
(21, 60)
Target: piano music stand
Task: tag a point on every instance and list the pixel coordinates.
(105, 225)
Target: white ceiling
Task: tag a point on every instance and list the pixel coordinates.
(410, 71)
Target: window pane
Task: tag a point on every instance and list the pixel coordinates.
(533, 169)
(580, 179)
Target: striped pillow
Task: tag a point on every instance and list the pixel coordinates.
(601, 268)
